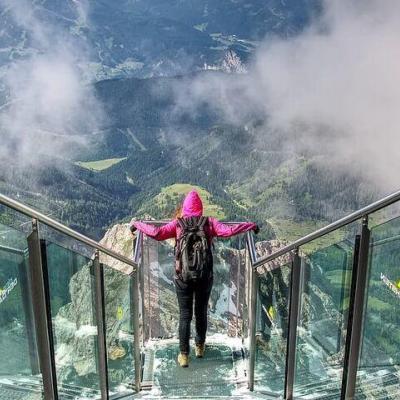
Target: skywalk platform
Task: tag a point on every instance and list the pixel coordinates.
(313, 320)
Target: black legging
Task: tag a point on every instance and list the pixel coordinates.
(186, 292)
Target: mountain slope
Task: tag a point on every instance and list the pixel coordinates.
(156, 37)
(246, 169)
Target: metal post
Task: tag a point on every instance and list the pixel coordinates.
(253, 277)
(136, 305)
(136, 329)
(141, 291)
(294, 310)
(245, 326)
(137, 248)
(28, 314)
(356, 313)
(41, 312)
(343, 293)
(98, 271)
(239, 265)
(149, 318)
(253, 323)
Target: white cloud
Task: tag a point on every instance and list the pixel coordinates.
(334, 88)
(48, 104)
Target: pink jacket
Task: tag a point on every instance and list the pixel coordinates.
(193, 207)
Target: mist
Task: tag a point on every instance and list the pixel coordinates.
(47, 109)
(333, 90)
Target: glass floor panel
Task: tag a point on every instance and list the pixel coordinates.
(15, 389)
(221, 373)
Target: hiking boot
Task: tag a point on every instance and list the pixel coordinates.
(200, 350)
(183, 360)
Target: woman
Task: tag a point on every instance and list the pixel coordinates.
(200, 290)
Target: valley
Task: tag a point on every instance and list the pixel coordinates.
(145, 141)
(147, 145)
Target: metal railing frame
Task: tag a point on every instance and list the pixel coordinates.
(39, 297)
(357, 215)
(41, 306)
(99, 304)
(356, 313)
(13, 250)
(137, 258)
(136, 298)
(52, 223)
(294, 310)
(356, 317)
(41, 312)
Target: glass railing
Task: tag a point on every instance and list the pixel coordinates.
(222, 369)
(378, 371)
(317, 319)
(19, 363)
(227, 297)
(336, 332)
(119, 313)
(67, 313)
(74, 324)
(322, 324)
(272, 328)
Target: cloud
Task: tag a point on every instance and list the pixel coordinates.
(334, 89)
(48, 108)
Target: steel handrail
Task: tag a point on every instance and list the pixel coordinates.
(30, 212)
(138, 247)
(373, 207)
(166, 221)
(251, 247)
(12, 250)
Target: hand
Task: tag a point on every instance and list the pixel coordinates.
(256, 229)
(133, 229)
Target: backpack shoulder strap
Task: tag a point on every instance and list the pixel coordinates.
(182, 223)
(202, 222)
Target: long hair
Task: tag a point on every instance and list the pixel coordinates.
(177, 214)
(178, 211)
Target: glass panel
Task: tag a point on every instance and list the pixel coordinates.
(73, 322)
(65, 241)
(119, 330)
(272, 328)
(321, 335)
(15, 227)
(384, 215)
(224, 354)
(228, 293)
(226, 299)
(19, 365)
(165, 310)
(378, 374)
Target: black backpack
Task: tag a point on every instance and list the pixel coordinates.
(193, 253)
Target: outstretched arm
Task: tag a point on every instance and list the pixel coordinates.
(220, 229)
(167, 231)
